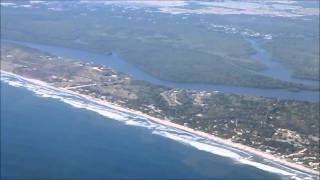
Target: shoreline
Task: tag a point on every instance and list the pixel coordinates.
(168, 123)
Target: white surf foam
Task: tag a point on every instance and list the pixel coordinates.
(203, 146)
(265, 167)
(178, 135)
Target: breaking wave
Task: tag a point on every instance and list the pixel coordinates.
(187, 138)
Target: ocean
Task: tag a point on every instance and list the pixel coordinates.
(45, 138)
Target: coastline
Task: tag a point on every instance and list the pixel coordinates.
(168, 123)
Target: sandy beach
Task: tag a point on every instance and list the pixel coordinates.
(227, 142)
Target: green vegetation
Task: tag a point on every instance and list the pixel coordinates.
(281, 127)
(295, 41)
(163, 45)
(300, 54)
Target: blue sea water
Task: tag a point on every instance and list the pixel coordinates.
(46, 138)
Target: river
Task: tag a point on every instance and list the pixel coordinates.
(275, 69)
(114, 61)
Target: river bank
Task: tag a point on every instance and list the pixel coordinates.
(115, 62)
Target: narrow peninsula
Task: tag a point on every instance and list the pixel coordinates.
(285, 131)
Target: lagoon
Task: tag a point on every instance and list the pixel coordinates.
(115, 62)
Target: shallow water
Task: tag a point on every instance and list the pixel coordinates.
(45, 138)
(216, 149)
